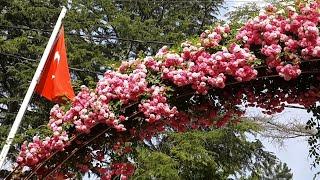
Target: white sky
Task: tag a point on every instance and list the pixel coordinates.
(294, 152)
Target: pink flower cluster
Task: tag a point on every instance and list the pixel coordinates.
(212, 38)
(90, 108)
(239, 61)
(124, 87)
(33, 152)
(86, 111)
(156, 107)
(56, 119)
(283, 35)
(288, 71)
(201, 69)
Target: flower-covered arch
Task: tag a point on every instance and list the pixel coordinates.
(271, 60)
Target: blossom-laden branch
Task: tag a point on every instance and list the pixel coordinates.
(273, 44)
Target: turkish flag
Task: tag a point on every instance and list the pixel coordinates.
(55, 81)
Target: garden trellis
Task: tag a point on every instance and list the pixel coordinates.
(201, 84)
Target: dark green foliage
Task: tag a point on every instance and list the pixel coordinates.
(272, 169)
(219, 154)
(155, 164)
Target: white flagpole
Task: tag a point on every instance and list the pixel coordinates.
(31, 88)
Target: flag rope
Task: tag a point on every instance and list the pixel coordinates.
(34, 60)
(91, 36)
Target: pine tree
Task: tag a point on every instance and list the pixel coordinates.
(114, 23)
(218, 154)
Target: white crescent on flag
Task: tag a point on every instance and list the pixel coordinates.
(57, 57)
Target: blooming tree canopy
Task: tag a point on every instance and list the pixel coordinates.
(270, 61)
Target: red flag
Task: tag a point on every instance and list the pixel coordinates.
(55, 81)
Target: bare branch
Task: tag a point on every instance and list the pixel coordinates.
(279, 131)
